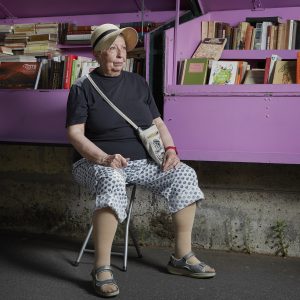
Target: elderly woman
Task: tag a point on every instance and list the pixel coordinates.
(109, 154)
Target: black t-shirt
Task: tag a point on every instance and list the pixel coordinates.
(103, 126)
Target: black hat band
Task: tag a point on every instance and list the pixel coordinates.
(102, 35)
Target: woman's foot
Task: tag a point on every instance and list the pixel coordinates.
(190, 266)
(104, 283)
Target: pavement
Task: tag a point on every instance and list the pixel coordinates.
(39, 267)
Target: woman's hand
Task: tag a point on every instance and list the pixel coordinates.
(114, 161)
(171, 160)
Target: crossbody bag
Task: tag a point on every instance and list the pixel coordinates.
(150, 137)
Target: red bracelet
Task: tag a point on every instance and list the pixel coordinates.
(171, 147)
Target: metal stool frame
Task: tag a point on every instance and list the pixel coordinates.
(127, 232)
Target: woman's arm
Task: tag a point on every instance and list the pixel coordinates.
(90, 151)
(171, 159)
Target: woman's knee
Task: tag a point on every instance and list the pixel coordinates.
(186, 173)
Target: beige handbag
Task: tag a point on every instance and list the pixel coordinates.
(150, 137)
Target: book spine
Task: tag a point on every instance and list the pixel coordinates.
(298, 68)
(69, 63)
(267, 69)
(38, 76)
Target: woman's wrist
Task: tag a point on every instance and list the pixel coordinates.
(171, 148)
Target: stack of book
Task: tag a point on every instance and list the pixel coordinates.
(44, 44)
(75, 34)
(221, 72)
(16, 41)
(259, 33)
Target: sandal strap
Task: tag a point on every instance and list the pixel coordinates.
(102, 269)
(103, 282)
(189, 255)
(201, 265)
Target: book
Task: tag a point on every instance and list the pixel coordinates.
(267, 70)
(254, 76)
(285, 72)
(68, 70)
(6, 50)
(204, 30)
(18, 75)
(194, 71)
(18, 58)
(210, 48)
(241, 72)
(253, 20)
(298, 68)
(223, 72)
(38, 76)
(274, 58)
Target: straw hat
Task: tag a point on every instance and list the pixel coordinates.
(104, 35)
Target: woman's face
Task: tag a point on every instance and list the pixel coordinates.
(112, 60)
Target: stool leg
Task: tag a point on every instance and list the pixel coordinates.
(77, 261)
(135, 243)
(127, 227)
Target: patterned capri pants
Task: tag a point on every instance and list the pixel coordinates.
(178, 186)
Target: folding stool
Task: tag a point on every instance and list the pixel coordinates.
(127, 232)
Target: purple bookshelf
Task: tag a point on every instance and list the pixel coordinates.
(235, 123)
(38, 116)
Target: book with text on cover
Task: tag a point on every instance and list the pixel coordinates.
(194, 71)
(211, 48)
(223, 72)
(285, 72)
(18, 75)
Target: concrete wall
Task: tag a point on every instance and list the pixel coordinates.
(243, 202)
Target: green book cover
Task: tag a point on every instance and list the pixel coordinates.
(194, 71)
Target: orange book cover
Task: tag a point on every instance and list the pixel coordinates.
(267, 70)
(248, 37)
(298, 68)
(18, 75)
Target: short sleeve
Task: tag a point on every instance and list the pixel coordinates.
(77, 107)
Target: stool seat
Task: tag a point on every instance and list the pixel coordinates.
(128, 232)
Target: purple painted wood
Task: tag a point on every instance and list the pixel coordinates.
(221, 5)
(95, 19)
(16, 9)
(33, 116)
(39, 116)
(276, 90)
(239, 129)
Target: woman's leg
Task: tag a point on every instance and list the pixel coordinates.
(183, 221)
(105, 225)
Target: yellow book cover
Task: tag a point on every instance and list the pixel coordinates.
(285, 72)
(210, 48)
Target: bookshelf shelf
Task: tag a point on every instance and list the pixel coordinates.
(234, 90)
(258, 54)
(64, 46)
